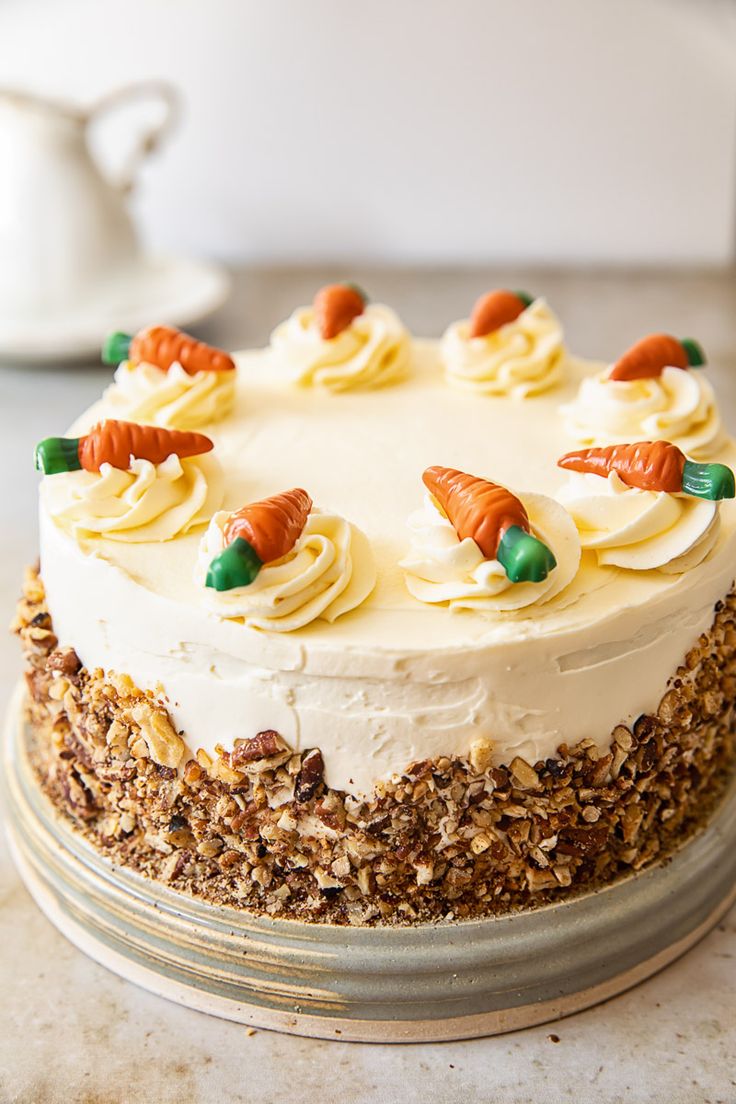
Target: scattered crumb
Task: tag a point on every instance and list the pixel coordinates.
(554, 1038)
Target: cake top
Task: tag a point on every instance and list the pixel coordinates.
(347, 405)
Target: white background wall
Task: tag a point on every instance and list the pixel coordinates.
(417, 129)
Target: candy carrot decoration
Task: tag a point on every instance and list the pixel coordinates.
(654, 466)
(335, 306)
(497, 309)
(161, 346)
(112, 442)
(259, 533)
(495, 519)
(649, 357)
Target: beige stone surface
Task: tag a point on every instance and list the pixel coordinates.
(71, 1032)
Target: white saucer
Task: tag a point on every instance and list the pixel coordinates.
(162, 289)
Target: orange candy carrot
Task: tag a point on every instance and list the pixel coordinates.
(496, 309)
(648, 465)
(272, 526)
(654, 466)
(335, 306)
(494, 518)
(162, 346)
(475, 507)
(113, 442)
(649, 357)
(259, 533)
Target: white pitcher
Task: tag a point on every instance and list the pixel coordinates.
(64, 226)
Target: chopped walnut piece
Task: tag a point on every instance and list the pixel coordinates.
(309, 776)
(164, 745)
(65, 661)
(265, 745)
(524, 774)
(480, 755)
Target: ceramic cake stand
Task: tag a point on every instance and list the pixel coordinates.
(430, 982)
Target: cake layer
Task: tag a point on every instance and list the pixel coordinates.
(395, 680)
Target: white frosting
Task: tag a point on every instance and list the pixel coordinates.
(524, 357)
(329, 571)
(373, 351)
(443, 568)
(173, 398)
(640, 530)
(677, 406)
(148, 502)
(395, 680)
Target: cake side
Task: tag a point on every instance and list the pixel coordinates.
(450, 837)
(396, 679)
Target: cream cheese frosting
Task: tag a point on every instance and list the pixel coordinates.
(678, 406)
(441, 568)
(525, 357)
(373, 351)
(395, 679)
(148, 502)
(329, 571)
(640, 530)
(173, 398)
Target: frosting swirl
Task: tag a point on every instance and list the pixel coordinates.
(677, 406)
(148, 502)
(522, 358)
(442, 568)
(640, 530)
(173, 398)
(371, 352)
(329, 571)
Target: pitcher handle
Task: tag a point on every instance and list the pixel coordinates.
(151, 138)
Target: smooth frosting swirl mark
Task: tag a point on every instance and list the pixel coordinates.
(373, 351)
(677, 406)
(522, 358)
(441, 568)
(148, 502)
(329, 571)
(172, 398)
(640, 530)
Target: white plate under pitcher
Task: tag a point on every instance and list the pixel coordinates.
(71, 266)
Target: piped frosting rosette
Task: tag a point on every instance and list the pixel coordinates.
(341, 342)
(511, 345)
(525, 550)
(645, 507)
(281, 563)
(132, 483)
(649, 393)
(169, 379)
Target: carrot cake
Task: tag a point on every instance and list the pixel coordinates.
(363, 628)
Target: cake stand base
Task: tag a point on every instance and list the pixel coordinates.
(416, 984)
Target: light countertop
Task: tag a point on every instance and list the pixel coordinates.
(71, 1032)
